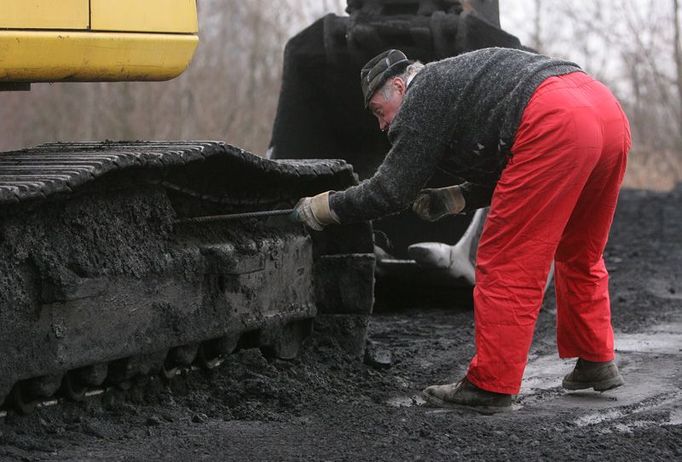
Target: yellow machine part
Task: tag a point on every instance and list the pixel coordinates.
(178, 16)
(40, 56)
(45, 14)
(96, 40)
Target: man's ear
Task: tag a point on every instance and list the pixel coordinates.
(399, 85)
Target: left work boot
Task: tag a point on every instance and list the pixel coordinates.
(466, 395)
(600, 376)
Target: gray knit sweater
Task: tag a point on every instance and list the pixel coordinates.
(460, 115)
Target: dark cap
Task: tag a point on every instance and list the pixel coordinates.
(379, 69)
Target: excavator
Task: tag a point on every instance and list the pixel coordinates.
(124, 259)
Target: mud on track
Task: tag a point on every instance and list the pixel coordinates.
(326, 406)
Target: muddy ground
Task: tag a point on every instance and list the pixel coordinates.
(327, 406)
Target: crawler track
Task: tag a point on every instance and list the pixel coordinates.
(108, 270)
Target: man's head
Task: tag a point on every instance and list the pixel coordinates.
(384, 84)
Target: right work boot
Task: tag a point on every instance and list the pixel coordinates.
(600, 376)
(466, 395)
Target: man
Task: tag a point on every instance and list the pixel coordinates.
(545, 146)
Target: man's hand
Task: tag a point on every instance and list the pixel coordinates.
(434, 204)
(315, 212)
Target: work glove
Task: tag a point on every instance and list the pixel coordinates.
(434, 204)
(315, 212)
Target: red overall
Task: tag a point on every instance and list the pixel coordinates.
(554, 201)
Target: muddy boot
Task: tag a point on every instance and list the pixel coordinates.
(465, 394)
(600, 376)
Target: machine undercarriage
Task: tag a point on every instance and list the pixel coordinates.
(118, 259)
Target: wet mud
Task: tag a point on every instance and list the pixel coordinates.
(327, 405)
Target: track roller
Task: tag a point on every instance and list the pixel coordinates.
(72, 387)
(123, 370)
(26, 394)
(20, 400)
(285, 341)
(76, 382)
(212, 352)
(178, 358)
(94, 375)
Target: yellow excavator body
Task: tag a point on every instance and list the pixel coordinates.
(96, 40)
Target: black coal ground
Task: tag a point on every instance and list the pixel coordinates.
(327, 406)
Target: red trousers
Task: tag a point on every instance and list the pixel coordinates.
(555, 200)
